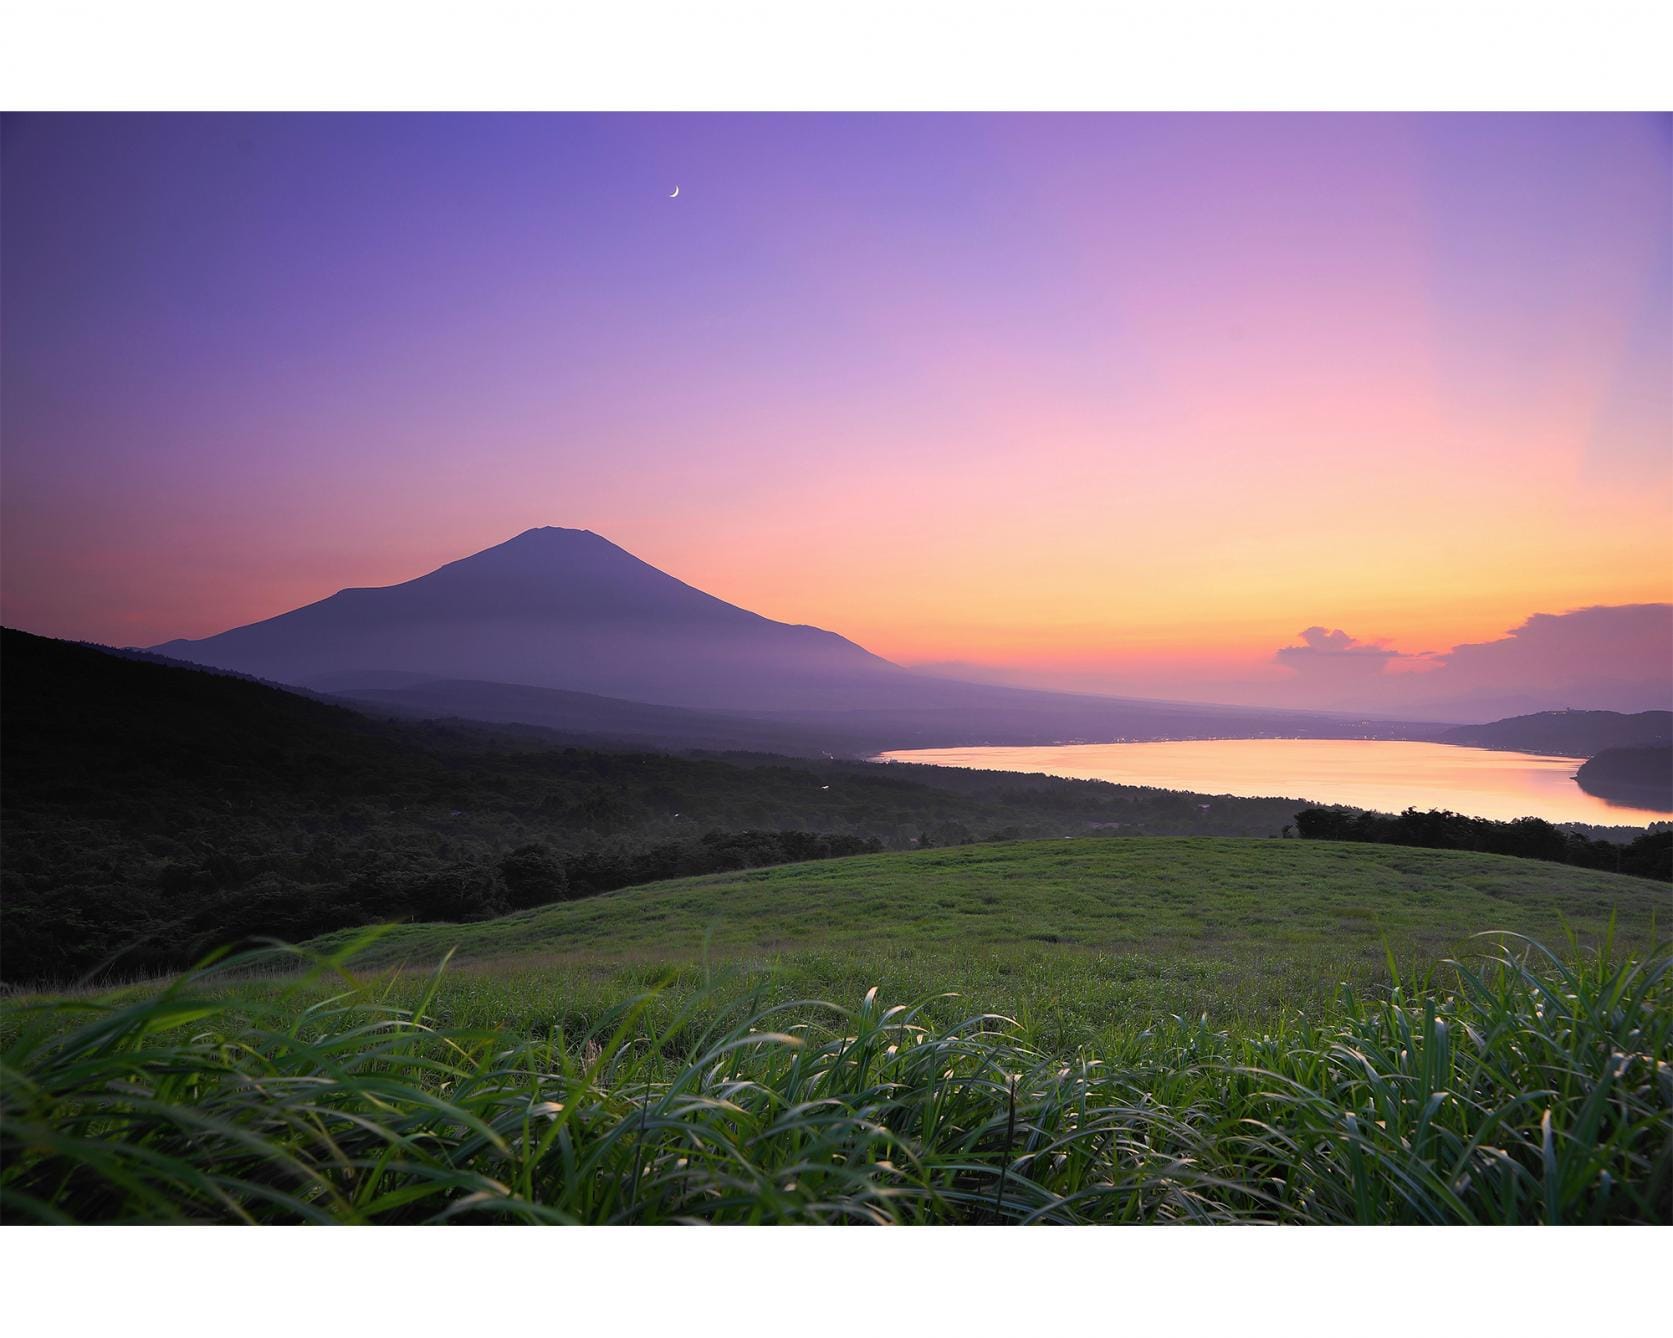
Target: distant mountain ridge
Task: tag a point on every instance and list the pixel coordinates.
(599, 720)
(1568, 733)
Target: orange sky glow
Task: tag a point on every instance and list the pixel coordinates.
(1114, 400)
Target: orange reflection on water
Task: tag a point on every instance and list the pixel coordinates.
(1376, 774)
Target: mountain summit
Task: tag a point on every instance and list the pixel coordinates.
(554, 608)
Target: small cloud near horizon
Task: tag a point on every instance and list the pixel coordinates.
(1609, 657)
(1330, 653)
(1600, 657)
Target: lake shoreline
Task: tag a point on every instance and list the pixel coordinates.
(1383, 775)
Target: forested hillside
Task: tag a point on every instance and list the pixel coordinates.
(153, 812)
(1568, 733)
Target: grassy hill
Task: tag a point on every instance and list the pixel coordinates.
(658, 1054)
(1090, 929)
(1174, 1041)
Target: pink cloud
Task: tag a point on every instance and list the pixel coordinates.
(1328, 654)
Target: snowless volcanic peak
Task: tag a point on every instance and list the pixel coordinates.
(555, 608)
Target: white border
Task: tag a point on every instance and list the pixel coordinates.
(696, 1282)
(779, 55)
(665, 55)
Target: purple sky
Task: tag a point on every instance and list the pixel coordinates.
(1130, 400)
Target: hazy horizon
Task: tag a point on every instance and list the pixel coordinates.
(1527, 670)
(1364, 412)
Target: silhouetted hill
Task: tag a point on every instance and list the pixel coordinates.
(1642, 777)
(1568, 733)
(93, 720)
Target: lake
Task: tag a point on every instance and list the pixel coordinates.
(1365, 773)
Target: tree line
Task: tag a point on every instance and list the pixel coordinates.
(1647, 856)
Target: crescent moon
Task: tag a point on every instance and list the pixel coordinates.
(676, 193)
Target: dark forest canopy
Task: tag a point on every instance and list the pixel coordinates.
(1647, 856)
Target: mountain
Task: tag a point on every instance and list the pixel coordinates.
(1568, 733)
(554, 608)
(1642, 777)
(496, 635)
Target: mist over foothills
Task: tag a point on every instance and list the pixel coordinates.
(558, 627)
(564, 609)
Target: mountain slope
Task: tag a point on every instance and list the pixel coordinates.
(554, 608)
(1568, 733)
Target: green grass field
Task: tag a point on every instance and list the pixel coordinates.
(1073, 935)
(1144, 1030)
